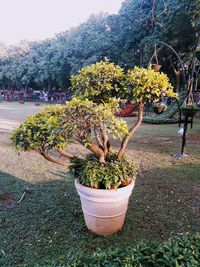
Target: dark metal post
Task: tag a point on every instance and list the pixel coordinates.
(184, 135)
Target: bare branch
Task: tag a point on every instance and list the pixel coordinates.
(65, 153)
(54, 160)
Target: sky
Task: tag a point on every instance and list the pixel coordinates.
(35, 20)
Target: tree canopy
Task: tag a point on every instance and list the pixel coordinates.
(127, 39)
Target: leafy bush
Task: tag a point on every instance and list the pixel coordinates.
(147, 86)
(99, 81)
(160, 120)
(111, 175)
(183, 251)
(42, 131)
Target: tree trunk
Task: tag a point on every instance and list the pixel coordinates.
(98, 152)
(177, 73)
(105, 142)
(131, 132)
(109, 147)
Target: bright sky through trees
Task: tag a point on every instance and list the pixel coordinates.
(39, 19)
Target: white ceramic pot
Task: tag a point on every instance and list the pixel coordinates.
(104, 210)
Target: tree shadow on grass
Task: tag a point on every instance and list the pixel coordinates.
(48, 224)
(51, 212)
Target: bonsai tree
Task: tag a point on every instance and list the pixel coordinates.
(90, 121)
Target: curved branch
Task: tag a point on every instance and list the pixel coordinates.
(65, 153)
(131, 132)
(54, 160)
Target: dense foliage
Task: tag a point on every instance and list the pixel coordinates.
(147, 86)
(181, 251)
(99, 81)
(112, 175)
(126, 38)
(43, 131)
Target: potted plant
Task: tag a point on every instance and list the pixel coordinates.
(105, 178)
(159, 107)
(156, 67)
(189, 110)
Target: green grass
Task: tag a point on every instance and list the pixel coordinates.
(48, 224)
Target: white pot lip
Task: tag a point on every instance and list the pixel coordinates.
(126, 186)
(85, 189)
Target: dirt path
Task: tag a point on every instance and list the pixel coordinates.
(11, 114)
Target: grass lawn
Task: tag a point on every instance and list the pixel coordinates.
(48, 223)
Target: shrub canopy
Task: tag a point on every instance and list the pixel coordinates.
(99, 81)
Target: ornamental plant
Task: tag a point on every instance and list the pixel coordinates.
(192, 107)
(89, 120)
(98, 82)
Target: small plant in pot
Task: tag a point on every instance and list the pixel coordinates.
(159, 107)
(105, 177)
(189, 110)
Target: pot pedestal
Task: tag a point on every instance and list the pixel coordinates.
(104, 210)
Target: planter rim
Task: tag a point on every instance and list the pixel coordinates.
(102, 193)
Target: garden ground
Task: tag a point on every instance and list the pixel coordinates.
(48, 223)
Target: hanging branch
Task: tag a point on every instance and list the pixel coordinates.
(152, 14)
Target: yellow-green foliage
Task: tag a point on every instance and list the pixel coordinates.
(79, 119)
(146, 85)
(111, 175)
(44, 130)
(99, 81)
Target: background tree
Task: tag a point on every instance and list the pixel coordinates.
(127, 39)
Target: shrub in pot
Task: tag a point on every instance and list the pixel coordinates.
(189, 110)
(105, 178)
(159, 107)
(156, 67)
